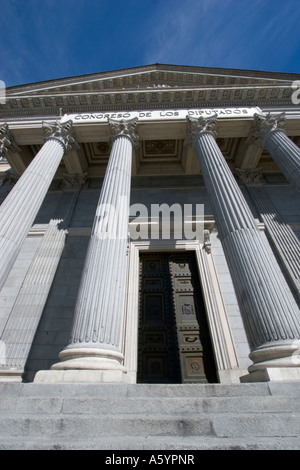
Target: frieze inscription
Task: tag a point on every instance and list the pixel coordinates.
(164, 114)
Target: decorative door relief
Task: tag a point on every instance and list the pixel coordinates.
(174, 345)
(196, 359)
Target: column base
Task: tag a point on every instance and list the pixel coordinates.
(281, 354)
(86, 365)
(276, 361)
(90, 358)
(11, 375)
(80, 376)
(273, 374)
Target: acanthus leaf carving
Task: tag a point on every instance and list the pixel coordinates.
(74, 181)
(125, 128)
(7, 141)
(207, 242)
(249, 175)
(195, 126)
(263, 125)
(62, 132)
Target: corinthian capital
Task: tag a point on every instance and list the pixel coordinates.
(249, 175)
(125, 128)
(264, 124)
(62, 132)
(196, 126)
(74, 181)
(7, 142)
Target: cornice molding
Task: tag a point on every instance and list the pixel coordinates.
(51, 107)
(163, 71)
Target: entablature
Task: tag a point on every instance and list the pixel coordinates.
(152, 98)
(161, 134)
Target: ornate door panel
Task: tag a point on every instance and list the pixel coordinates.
(174, 343)
(158, 355)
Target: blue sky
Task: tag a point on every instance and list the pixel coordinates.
(46, 39)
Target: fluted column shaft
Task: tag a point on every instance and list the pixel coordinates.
(22, 323)
(269, 133)
(19, 209)
(98, 319)
(284, 240)
(270, 318)
(24, 318)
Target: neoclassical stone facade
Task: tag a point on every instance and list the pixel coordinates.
(150, 225)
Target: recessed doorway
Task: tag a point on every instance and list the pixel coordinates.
(174, 342)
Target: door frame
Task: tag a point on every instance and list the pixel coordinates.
(221, 336)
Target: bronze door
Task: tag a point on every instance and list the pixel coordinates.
(174, 342)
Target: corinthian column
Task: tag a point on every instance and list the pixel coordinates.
(284, 240)
(94, 352)
(19, 209)
(269, 133)
(271, 321)
(21, 326)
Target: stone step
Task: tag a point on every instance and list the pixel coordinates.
(146, 390)
(173, 444)
(213, 416)
(221, 425)
(139, 405)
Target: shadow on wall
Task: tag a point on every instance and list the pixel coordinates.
(53, 332)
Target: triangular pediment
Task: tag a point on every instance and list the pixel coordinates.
(155, 76)
(150, 87)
